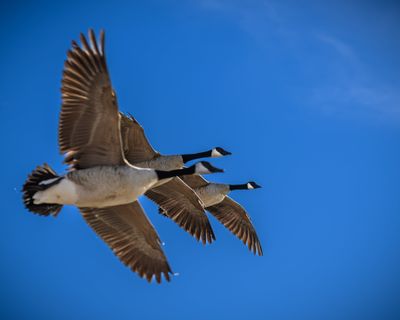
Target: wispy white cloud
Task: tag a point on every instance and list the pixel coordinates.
(354, 89)
(339, 46)
(259, 19)
(351, 86)
(354, 99)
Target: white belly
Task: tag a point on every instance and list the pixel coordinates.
(98, 187)
(112, 198)
(64, 192)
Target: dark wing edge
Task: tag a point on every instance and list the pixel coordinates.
(131, 236)
(234, 217)
(180, 203)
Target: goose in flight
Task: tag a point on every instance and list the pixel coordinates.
(227, 211)
(101, 182)
(172, 195)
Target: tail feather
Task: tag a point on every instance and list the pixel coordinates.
(34, 183)
(162, 212)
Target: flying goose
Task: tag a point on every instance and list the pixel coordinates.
(100, 181)
(172, 195)
(227, 211)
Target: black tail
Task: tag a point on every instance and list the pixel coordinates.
(33, 185)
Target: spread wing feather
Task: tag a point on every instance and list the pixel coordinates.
(234, 217)
(89, 127)
(129, 233)
(180, 203)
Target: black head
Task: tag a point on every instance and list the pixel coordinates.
(252, 185)
(219, 152)
(204, 167)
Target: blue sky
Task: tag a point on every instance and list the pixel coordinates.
(306, 97)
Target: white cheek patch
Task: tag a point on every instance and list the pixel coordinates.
(215, 153)
(250, 186)
(200, 168)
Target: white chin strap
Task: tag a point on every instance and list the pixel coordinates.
(200, 169)
(215, 153)
(249, 186)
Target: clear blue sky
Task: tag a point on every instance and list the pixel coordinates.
(307, 97)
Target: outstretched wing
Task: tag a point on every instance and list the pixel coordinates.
(180, 203)
(135, 144)
(129, 233)
(89, 128)
(233, 216)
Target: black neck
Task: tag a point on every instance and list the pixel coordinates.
(238, 186)
(174, 173)
(193, 156)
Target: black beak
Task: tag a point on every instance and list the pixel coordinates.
(255, 185)
(223, 151)
(211, 168)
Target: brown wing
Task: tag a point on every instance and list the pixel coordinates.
(89, 128)
(195, 181)
(129, 233)
(233, 216)
(180, 203)
(136, 146)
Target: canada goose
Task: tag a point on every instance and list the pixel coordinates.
(101, 182)
(138, 149)
(230, 213)
(173, 195)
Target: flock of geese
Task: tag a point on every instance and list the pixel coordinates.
(111, 163)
